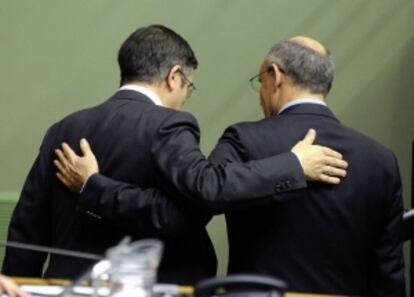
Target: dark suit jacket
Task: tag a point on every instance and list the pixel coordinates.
(137, 144)
(327, 239)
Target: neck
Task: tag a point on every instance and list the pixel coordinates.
(148, 86)
(294, 94)
(155, 88)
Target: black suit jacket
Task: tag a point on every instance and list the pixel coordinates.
(137, 144)
(327, 239)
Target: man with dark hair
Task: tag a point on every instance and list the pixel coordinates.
(142, 140)
(340, 239)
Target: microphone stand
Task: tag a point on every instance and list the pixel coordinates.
(50, 250)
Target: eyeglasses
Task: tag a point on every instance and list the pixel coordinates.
(190, 87)
(256, 81)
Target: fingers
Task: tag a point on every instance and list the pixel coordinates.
(10, 288)
(14, 290)
(334, 162)
(333, 171)
(329, 179)
(85, 147)
(310, 136)
(63, 179)
(329, 175)
(320, 163)
(67, 164)
(21, 293)
(331, 153)
(62, 162)
(62, 175)
(59, 166)
(69, 153)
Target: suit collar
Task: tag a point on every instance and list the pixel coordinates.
(310, 109)
(143, 90)
(131, 95)
(300, 101)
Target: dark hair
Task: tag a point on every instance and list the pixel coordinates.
(304, 66)
(149, 53)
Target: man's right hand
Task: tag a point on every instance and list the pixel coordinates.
(319, 163)
(74, 170)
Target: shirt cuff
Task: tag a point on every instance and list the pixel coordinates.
(300, 162)
(86, 181)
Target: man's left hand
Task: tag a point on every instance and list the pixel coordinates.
(74, 170)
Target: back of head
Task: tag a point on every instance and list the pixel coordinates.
(307, 63)
(150, 52)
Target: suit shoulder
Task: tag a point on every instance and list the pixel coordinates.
(374, 149)
(246, 128)
(254, 125)
(173, 117)
(77, 115)
(369, 141)
(170, 121)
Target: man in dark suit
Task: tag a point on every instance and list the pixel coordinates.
(142, 140)
(325, 239)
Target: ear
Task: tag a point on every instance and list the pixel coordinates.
(278, 76)
(174, 77)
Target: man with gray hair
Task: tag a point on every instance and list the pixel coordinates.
(331, 239)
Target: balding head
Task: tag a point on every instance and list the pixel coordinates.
(310, 43)
(306, 62)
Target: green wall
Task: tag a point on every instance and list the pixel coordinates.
(59, 56)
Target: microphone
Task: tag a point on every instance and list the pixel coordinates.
(50, 250)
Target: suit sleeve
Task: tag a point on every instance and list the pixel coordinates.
(387, 270)
(138, 210)
(219, 186)
(30, 221)
(229, 148)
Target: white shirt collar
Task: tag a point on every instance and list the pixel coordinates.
(143, 90)
(302, 101)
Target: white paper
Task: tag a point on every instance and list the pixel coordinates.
(55, 290)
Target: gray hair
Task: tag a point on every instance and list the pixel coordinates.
(304, 66)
